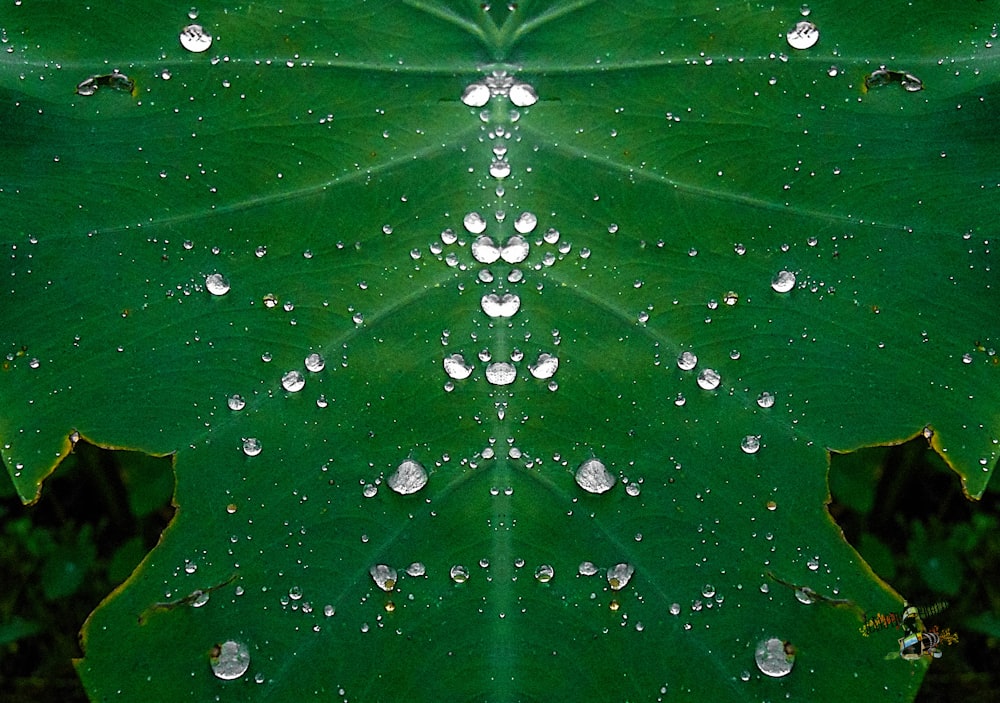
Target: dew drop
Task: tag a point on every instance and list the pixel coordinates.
(501, 306)
(750, 444)
(708, 591)
(384, 576)
(230, 660)
(293, 381)
(515, 250)
(315, 362)
(216, 284)
(709, 379)
(195, 39)
(409, 477)
(813, 563)
(476, 95)
(416, 569)
(544, 573)
(236, 402)
(500, 168)
(765, 399)
(456, 368)
(593, 477)
(485, 250)
(459, 574)
(329, 610)
(501, 373)
(774, 657)
(619, 575)
(545, 367)
(522, 95)
(783, 281)
(251, 446)
(803, 35)
(587, 568)
(474, 223)
(526, 222)
(687, 361)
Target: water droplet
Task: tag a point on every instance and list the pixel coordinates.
(329, 610)
(708, 590)
(545, 367)
(593, 477)
(200, 598)
(501, 373)
(783, 281)
(587, 568)
(523, 95)
(803, 35)
(675, 608)
(765, 399)
(315, 362)
(474, 223)
(230, 660)
(544, 573)
(459, 574)
(709, 379)
(370, 490)
(456, 368)
(195, 39)
(485, 250)
(293, 381)
(416, 569)
(383, 576)
(619, 575)
(515, 250)
(409, 477)
(774, 657)
(633, 489)
(260, 252)
(216, 284)
(236, 402)
(687, 361)
(500, 168)
(501, 306)
(750, 444)
(476, 95)
(526, 222)
(295, 593)
(806, 596)
(813, 563)
(251, 446)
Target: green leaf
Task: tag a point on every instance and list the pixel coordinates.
(322, 162)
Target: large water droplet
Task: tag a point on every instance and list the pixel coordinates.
(765, 399)
(293, 381)
(230, 660)
(501, 373)
(485, 250)
(522, 95)
(619, 575)
(709, 379)
(687, 361)
(803, 35)
(251, 446)
(216, 284)
(409, 477)
(476, 95)
(459, 574)
(594, 477)
(774, 657)
(315, 362)
(501, 306)
(545, 367)
(783, 281)
(194, 38)
(384, 576)
(500, 168)
(750, 444)
(544, 573)
(525, 222)
(236, 402)
(474, 223)
(515, 250)
(456, 368)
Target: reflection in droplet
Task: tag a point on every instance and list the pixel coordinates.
(619, 575)
(501, 306)
(456, 368)
(476, 95)
(293, 381)
(515, 250)
(545, 367)
(216, 284)
(485, 250)
(384, 576)
(750, 444)
(709, 379)
(594, 477)
(803, 35)
(230, 660)
(783, 281)
(687, 361)
(522, 95)
(474, 223)
(236, 402)
(501, 373)
(251, 446)
(409, 477)
(526, 222)
(774, 657)
(459, 574)
(544, 573)
(315, 362)
(195, 39)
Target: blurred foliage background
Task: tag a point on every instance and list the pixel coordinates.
(901, 508)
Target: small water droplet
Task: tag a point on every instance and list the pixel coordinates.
(501, 373)
(783, 281)
(230, 660)
(774, 657)
(593, 477)
(709, 379)
(474, 223)
(687, 361)
(750, 444)
(522, 95)
(765, 400)
(329, 610)
(216, 284)
(384, 576)
(587, 568)
(633, 489)
(370, 490)
(803, 35)
(476, 95)
(195, 39)
(416, 569)
(544, 573)
(200, 598)
(409, 477)
(315, 362)
(619, 575)
(708, 590)
(293, 381)
(295, 593)
(545, 367)
(459, 574)
(236, 402)
(675, 608)
(456, 368)
(813, 563)
(251, 446)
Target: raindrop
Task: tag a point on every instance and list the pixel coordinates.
(765, 399)
(544, 573)
(805, 596)
(230, 660)
(545, 367)
(687, 361)
(813, 563)
(803, 35)
(500, 168)
(216, 284)
(459, 574)
(251, 446)
(383, 576)
(236, 402)
(526, 222)
(293, 381)
(750, 444)
(456, 368)
(474, 223)
(195, 39)
(501, 373)
(416, 569)
(409, 477)
(587, 568)
(593, 477)
(515, 250)
(708, 590)
(619, 575)
(501, 306)
(774, 657)
(709, 379)
(315, 362)
(329, 610)
(485, 250)
(675, 608)
(633, 489)
(523, 95)
(783, 281)
(476, 95)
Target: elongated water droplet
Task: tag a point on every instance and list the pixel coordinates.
(594, 477)
(687, 361)
(619, 575)
(803, 35)
(230, 660)
(456, 368)
(522, 95)
(315, 363)
(195, 39)
(474, 223)
(216, 284)
(384, 576)
(783, 281)
(409, 477)
(545, 367)
(476, 95)
(501, 373)
(709, 379)
(501, 306)
(251, 446)
(774, 657)
(515, 250)
(293, 381)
